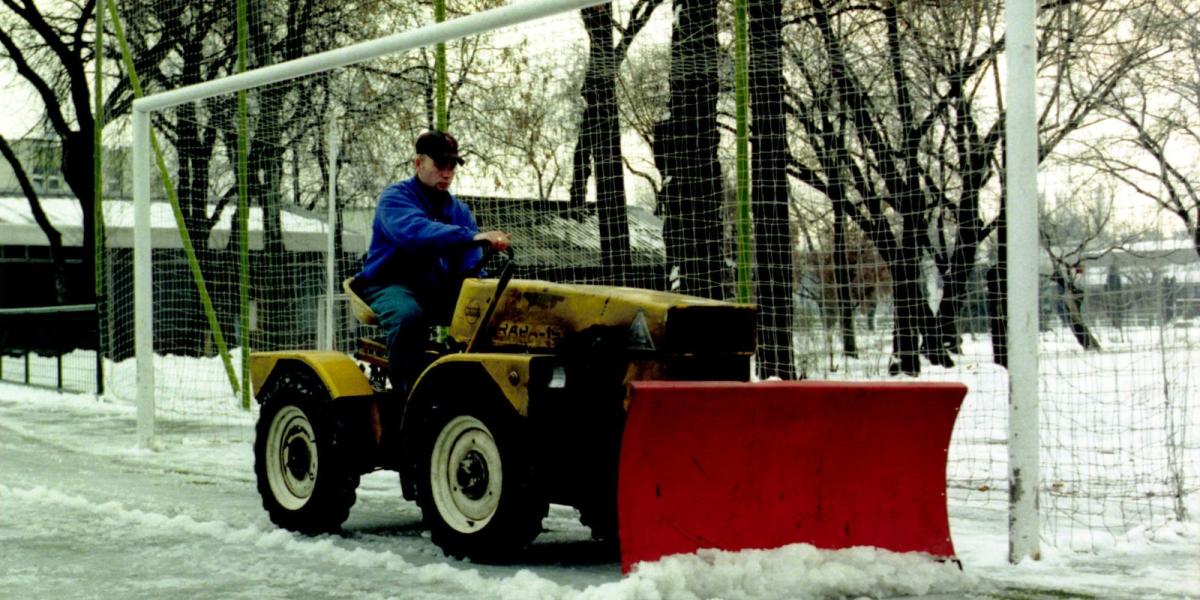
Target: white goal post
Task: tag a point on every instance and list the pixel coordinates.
(1021, 190)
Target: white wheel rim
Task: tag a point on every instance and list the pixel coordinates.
(291, 458)
(465, 474)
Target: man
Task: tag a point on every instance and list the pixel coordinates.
(422, 240)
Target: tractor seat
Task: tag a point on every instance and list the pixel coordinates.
(371, 350)
(362, 311)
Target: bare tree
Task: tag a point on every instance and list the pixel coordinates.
(50, 45)
(857, 284)
(1159, 108)
(902, 125)
(522, 132)
(854, 101)
(599, 141)
(53, 236)
(279, 33)
(1076, 230)
(644, 96)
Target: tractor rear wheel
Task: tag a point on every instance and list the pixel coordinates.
(478, 493)
(306, 482)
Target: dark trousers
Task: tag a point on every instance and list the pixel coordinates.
(404, 319)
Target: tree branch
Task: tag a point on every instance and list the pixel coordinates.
(25, 70)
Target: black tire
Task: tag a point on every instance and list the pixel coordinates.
(477, 487)
(306, 481)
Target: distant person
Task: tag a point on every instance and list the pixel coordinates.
(422, 240)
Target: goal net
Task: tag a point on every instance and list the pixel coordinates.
(850, 186)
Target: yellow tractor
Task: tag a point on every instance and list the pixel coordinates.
(525, 401)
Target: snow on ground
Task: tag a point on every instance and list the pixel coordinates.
(85, 513)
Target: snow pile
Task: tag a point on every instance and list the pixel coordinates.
(793, 572)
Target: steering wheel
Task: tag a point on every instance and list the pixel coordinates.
(488, 252)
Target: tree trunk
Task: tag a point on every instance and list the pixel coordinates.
(924, 321)
(843, 304)
(945, 334)
(275, 307)
(903, 260)
(581, 165)
(78, 169)
(602, 126)
(685, 152)
(905, 332)
(1196, 233)
(975, 153)
(997, 285)
(194, 145)
(1071, 295)
(265, 166)
(769, 191)
(954, 290)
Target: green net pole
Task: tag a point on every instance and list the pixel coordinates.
(439, 67)
(169, 187)
(742, 95)
(98, 196)
(243, 176)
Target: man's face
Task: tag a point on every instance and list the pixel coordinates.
(433, 175)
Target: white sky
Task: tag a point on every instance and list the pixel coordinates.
(21, 106)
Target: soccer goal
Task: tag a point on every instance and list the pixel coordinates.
(841, 170)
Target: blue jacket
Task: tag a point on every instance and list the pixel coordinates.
(421, 238)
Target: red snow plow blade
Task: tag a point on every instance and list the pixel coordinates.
(762, 465)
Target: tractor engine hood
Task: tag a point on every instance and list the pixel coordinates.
(537, 315)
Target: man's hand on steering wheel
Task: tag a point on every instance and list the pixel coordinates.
(499, 240)
(492, 242)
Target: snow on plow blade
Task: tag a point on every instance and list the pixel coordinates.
(762, 465)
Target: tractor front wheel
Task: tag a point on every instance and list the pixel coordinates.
(478, 494)
(306, 482)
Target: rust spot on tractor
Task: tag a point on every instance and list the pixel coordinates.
(541, 299)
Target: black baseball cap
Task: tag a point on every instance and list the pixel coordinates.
(440, 146)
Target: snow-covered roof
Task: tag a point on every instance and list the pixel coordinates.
(303, 232)
(1179, 273)
(1172, 251)
(1170, 246)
